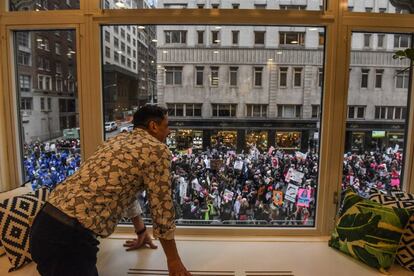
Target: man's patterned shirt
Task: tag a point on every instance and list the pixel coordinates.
(106, 185)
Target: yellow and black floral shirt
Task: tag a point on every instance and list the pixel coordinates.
(106, 185)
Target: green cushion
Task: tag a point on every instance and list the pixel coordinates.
(405, 252)
(368, 231)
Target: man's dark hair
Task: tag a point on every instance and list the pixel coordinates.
(148, 113)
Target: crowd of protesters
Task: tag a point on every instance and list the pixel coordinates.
(380, 170)
(221, 186)
(273, 187)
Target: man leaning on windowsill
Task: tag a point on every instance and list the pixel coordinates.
(92, 201)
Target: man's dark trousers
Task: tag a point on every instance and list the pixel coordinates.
(62, 250)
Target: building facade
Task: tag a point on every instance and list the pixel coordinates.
(237, 86)
(128, 64)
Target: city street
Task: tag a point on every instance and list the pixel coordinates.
(116, 132)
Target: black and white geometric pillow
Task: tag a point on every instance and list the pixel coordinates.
(402, 196)
(397, 199)
(16, 214)
(405, 252)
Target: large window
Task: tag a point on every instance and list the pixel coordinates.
(49, 134)
(376, 114)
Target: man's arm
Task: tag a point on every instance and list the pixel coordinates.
(175, 266)
(143, 238)
(157, 182)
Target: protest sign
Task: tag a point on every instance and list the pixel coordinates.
(291, 192)
(304, 197)
(228, 195)
(277, 197)
(297, 176)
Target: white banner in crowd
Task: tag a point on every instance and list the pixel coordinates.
(231, 152)
(301, 155)
(294, 175)
(238, 165)
(297, 176)
(195, 185)
(396, 148)
(291, 192)
(207, 162)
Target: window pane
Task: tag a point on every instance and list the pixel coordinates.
(233, 76)
(43, 5)
(199, 76)
(379, 6)
(283, 77)
(252, 101)
(163, 4)
(374, 146)
(49, 117)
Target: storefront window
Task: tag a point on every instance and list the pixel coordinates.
(257, 140)
(171, 140)
(374, 147)
(358, 141)
(288, 140)
(48, 108)
(224, 140)
(186, 141)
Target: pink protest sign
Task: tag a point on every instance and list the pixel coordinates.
(304, 197)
